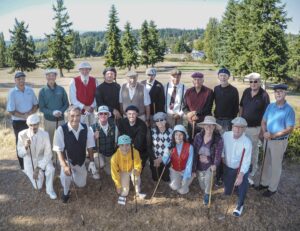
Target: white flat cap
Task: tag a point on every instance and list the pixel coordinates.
(131, 74)
(48, 71)
(151, 71)
(33, 119)
(253, 75)
(239, 121)
(84, 65)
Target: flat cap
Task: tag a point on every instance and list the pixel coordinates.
(124, 139)
(19, 74)
(253, 75)
(131, 74)
(109, 69)
(175, 72)
(280, 86)
(151, 71)
(33, 119)
(84, 65)
(48, 71)
(159, 116)
(197, 75)
(239, 121)
(224, 71)
(132, 108)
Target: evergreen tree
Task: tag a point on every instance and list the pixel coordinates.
(76, 44)
(113, 56)
(129, 48)
(21, 50)
(144, 44)
(156, 49)
(3, 60)
(60, 41)
(210, 39)
(294, 60)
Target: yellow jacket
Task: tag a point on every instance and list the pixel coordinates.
(123, 163)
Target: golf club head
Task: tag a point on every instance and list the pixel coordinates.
(122, 200)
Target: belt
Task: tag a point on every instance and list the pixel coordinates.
(281, 138)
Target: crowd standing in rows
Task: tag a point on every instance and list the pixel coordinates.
(140, 122)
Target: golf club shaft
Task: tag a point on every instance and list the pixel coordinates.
(33, 168)
(263, 162)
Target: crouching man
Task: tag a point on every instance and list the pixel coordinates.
(34, 146)
(71, 141)
(126, 163)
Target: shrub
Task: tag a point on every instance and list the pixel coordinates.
(293, 149)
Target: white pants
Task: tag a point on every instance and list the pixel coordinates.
(104, 162)
(177, 183)
(204, 178)
(125, 183)
(49, 174)
(79, 174)
(50, 127)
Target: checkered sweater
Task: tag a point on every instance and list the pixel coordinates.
(160, 142)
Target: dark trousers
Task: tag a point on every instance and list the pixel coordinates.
(229, 180)
(156, 172)
(19, 125)
(190, 131)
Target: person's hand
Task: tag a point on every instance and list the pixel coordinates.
(190, 115)
(157, 162)
(117, 114)
(136, 172)
(176, 116)
(27, 143)
(96, 135)
(67, 170)
(239, 179)
(87, 108)
(195, 118)
(267, 135)
(203, 159)
(57, 113)
(213, 168)
(36, 173)
(119, 190)
(92, 167)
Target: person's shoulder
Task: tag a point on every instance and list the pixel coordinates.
(21, 133)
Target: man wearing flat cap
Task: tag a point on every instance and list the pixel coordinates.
(198, 101)
(107, 93)
(156, 92)
(253, 104)
(134, 93)
(53, 102)
(34, 146)
(21, 103)
(82, 93)
(136, 129)
(277, 124)
(174, 93)
(237, 159)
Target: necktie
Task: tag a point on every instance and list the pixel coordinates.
(85, 81)
(172, 101)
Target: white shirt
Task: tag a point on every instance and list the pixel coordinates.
(40, 149)
(149, 85)
(59, 142)
(233, 149)
(72, 93)
(178, 105)
(147, 100)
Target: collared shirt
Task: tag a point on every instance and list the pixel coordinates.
(59, 142)
(254, 107)
(131, 90)
(233, 149)
(178, 104)
(279, 118)
(20, 101)
(72, 95)
(187, 173)
(51, 99)
(104, 127)
(149, 85)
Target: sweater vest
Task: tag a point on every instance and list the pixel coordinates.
(76, 148)
(179, 162)
(137, 100)
(85, 94)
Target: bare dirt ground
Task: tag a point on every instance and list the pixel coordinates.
(23, 208)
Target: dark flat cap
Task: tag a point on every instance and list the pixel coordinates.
(110, 69)
(197, 75)
(132, 108)
(224, 71)
(175, 72)
(20, 74)
(280, 86)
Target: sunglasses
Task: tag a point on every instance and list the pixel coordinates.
(159, 120)
(255, 81)
(103, 113)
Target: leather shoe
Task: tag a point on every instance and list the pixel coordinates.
(260, 187)
(268, 193)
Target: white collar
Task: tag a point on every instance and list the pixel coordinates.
(71, 129)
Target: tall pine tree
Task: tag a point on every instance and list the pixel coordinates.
(129, 48)
(3, 59)
(144, 44)
(210, 40)
(156, 48)
(113, 56)
(294, 59)
(76, 44)
(21, 50)
(60, 41)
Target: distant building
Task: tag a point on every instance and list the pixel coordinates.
(196, 55)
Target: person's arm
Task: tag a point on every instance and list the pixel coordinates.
(115, 172)
(42, 104)
(218, 152)
(65, 102)
(189, 164)
(206, 110)
(236, 102)
(21, 149)
(139, 140)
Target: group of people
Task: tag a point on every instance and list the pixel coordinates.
(172, 127)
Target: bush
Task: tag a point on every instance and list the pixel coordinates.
(293, 149)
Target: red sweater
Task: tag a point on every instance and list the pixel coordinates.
(179, 162)
(85, 93)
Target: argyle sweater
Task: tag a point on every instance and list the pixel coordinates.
(160, 142)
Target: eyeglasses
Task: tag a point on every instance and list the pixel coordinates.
(159, 120)
(103, 113)
(255, 81)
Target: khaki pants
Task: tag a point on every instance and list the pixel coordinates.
(273, 163)
(204, 178)
(104, 162)
(88, 119)
(50, 127)
(125, 177)
(177, 183)
(253, 134)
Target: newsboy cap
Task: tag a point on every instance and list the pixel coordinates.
(175, 72)
(280, 86)
(151, 71)
(33, 119)
(19, 74)
(84, 65)
(239, 121)
(224, 71)
(131, 74)
(197, 75)
(159, 116)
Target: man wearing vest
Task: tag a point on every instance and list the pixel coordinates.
(136, 129)
(82, 93)
(174, 93)
(134, 93)
(181, 158)
(198, 101)
(70, 142)
(106, 132)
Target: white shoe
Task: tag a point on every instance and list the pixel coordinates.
(96, 176)
(52, 195)
(141, 195)
(251, 182)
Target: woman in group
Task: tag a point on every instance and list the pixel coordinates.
(208, 146)
(181, 158)
(161, 136)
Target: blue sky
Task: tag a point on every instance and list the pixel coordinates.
(88, 15)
